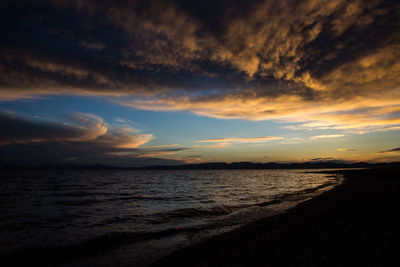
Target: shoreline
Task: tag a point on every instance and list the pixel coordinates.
(282, 239)
(143, 248)
(352, 224)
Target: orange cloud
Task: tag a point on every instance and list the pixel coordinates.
(356, 113)
(345, 149)
(126, 137)
(217, 145)
(161, 146)
(242, 140)
(323, 64)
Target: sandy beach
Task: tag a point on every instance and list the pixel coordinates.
(353, 224)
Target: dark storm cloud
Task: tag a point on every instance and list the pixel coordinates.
(52, 47)
(85, 140)
(76, 153)
(293, 60)
(83, 128)
(15, 129)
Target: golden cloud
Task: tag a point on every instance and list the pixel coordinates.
(356, 113)
(321, 63)
(242, 140)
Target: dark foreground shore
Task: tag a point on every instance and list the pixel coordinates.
(354, 224)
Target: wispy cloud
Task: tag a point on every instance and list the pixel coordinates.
(242, 139)
(155, 154)
(322, 159)
(326, 136)
(345, 149)
(291, 140)
(394, 150)
(215, 145)
(160, 146)
(394, 128)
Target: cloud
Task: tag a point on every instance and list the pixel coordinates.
(84, 139)
(16, 129)
(391, 150)
(395, 128)
(326, 136)
(124, 137)
(216, 145)
(85, 128)
(291, 140)
(322, 64)
(155, 154)
(357, 113)
(226, 142)
(322, 159)
(345, 149)
(160, 146)
(329, 159)
(242, 140)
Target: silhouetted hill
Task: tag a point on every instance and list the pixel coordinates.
(272, 165)
(217, 166)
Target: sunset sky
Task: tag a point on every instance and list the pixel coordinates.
(168, 82)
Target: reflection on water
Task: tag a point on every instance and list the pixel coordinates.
(63, 207)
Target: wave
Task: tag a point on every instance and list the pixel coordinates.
(200, 212)
(118, 219)
(48, 256)
(299, 195)
(141, 198)
(80, 202)
(115, 197)
(210, 218)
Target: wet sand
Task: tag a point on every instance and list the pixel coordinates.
(353, 224)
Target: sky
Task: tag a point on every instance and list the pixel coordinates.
(139, 83)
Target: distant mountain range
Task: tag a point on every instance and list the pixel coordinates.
(272, 165)
(219, 166)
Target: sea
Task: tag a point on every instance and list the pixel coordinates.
(137, 216)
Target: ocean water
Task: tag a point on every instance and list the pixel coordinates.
(44, 209)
